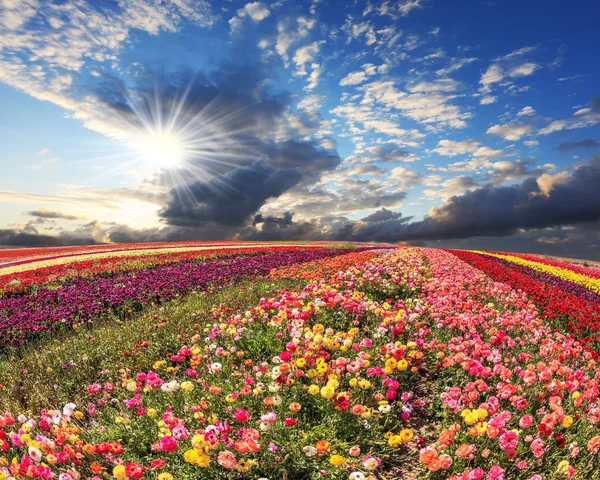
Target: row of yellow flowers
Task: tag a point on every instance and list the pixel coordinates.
(562, 273)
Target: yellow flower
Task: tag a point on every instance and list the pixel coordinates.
(301, 362)
(78, 415)
(203, 461)
(191, 456)
(391, 363)
(119, 472)
(364, 384)
(336, 460)
(402, 365)
(481, 414)
(353, 382)
(327, 392)
(187, 386)
(313, 389)
(152, 413)
(576, 395)
(395, 441)
(563, 467)
(407, 435)
(567, 421)
(471, 418)
(165, 476)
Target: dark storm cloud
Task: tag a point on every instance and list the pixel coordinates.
(382, 215)
(285, 220)
(499, 211)
(50, 214)
(34, 239)
(586, 143)
(228, 199)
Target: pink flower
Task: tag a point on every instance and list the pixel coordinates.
(495, 473)
(537, 447)
(476, 474)
(227, 459)
(526, 421)
(509, 441)
(168, 444)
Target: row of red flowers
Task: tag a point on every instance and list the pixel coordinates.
(564, 310)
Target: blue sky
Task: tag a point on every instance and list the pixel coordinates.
(398, 120)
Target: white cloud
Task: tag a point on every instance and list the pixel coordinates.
(452, 187)
(456, 64)
(356, 78)
(291, 31)
(526, 111)
(354, 31)
(584, 117)
(493, 74)
(516, 53)
(256, 11)
(523, 70)
(353, 78)
(313, 78)
(531, 143)
(487, 100)
(428, 106)
(398, 8)
(450, 148)
(16, 13)
(304, 55)
(510, 131)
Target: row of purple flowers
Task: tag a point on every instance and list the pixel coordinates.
(89, 299)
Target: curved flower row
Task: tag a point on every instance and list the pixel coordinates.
(60, 273)
(558, 307)
(25, 266)
(82, 300)
(563, 273)
(590, 272)
(521, 401)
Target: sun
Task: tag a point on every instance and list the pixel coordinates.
(160, 149)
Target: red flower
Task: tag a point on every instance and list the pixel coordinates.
(133, 470)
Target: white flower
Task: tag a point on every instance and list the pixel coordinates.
(264, 426)
(170, 387)
(35, 454)
(215, 367)
(68, 409)
(385, 408)
(356, 476)
(309, 451)
(56, 416)
(22, 418)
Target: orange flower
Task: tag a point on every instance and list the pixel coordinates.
(445, 461)
(463, 451)
(323, 446)
(96, 468)
(294, 407)
(593, 444)
(446, 438)
(428, 456)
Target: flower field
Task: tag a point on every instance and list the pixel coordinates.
(274, 361)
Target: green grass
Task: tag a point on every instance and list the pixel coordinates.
(56, 370)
